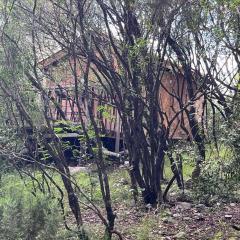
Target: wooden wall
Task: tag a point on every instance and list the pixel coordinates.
(173, 97)
(61, 88)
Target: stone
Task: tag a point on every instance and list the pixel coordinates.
(180, 235)
(183, 205)
(168, 220)
(126, 163)
(176, 215)
(132, 203)
(149, 206)
(213, 200)
(200, 207)
(199, 216)
(228, 216)
(74, 170)
(165, 206)
(236, 227)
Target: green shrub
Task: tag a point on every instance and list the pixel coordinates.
(219, 178)
(25, 216)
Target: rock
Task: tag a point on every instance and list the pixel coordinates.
(77, 169)
(187, 218)
(149, 206)
(132, 203)
(180, 235)
(165, 206)
(168, 220)
(228, 216)
(233, 204)
(213, 200)
(161, 233)
(183, 205)
(199, 216)
(200, 207)
(176, 215)
(126, 163)
(236, 227)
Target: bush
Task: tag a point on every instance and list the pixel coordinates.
(25, 216)
(212, 185)
(220, 175)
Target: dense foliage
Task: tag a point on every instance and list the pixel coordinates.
(126, 49)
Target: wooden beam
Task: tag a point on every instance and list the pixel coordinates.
(118, 128)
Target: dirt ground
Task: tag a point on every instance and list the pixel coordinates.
(182, 221)
(179, 220)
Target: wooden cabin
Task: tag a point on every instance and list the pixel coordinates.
(60, 85)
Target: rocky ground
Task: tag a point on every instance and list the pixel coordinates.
(182, 221)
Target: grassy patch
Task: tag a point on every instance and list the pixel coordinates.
(144, 230)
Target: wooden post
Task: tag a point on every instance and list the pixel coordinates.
(117, 129)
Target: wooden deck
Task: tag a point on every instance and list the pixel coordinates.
(104, 111)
